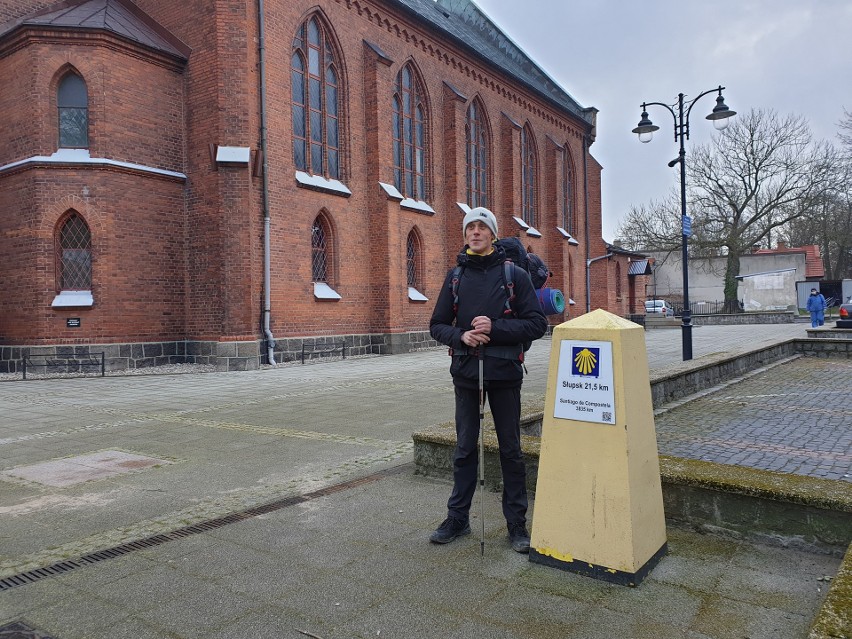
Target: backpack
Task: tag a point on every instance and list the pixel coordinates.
(530, 262)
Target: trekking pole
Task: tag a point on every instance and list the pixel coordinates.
(481, 449)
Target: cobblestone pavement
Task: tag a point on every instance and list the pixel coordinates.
(792, 418)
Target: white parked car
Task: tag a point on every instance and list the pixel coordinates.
(658, 307)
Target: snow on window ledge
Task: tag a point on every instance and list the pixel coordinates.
(571, 240)
(82, 157)
(323, 291)
(464, 207)
(233, 155)
(416, 296)
(406, 202)
(319, 183)
(416, 205)
(533, 232)
(391, 191)
(520, 222)
(67, 299)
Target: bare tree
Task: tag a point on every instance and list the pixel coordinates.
(845, 134)
(755, 177)
(829, 222)
(653, 227)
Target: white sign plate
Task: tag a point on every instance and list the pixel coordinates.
(584, 382)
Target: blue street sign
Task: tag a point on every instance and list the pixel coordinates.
(687, 225)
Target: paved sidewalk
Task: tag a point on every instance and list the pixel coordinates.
(177, 452)
(793, 417)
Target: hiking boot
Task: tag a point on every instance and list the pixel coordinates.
(519, 537)
(449, 530)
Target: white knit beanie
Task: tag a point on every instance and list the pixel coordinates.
(483, 215)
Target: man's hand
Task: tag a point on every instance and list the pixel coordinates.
(479, 334)
(482, 324)
(475, 338)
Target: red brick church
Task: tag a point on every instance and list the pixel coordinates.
(223, 181)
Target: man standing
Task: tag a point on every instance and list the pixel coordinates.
(473, 314)
(816, 307)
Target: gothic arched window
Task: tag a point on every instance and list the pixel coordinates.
(529, 174)
(74, 254)
(477, 152)
(72, 101)
(315, 80)
(409, 135)
(566, 199)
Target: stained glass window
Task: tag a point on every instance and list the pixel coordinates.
(74, 255)
(315, 97)
(411, 261)
(319, 250)
(567, 194)
(477, 151)
(72, 101)
(528, 176)
(409, 136)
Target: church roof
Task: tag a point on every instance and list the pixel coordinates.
(119, 17)
(467, 24)
(460, 20)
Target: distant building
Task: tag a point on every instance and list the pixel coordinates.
(142, 218)
(767, 277)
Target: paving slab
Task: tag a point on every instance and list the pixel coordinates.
(348, 556)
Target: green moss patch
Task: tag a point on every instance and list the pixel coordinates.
(834, 620)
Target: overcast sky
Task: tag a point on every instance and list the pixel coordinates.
(790, 56)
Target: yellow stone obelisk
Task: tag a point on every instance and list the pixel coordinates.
(599, 500)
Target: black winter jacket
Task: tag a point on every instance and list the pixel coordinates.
(481, 291)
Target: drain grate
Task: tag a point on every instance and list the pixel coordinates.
(30, 576)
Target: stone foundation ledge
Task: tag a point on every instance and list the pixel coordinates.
(830, 332)
(224, 355)
(747, 317)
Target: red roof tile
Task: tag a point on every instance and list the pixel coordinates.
(814, 268)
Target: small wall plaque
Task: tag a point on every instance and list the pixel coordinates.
(72, 322)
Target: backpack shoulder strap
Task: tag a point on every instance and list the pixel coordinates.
(509, 283)
(454, 287)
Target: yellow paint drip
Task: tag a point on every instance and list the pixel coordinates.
(555, 554)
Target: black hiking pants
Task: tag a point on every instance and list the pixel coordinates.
(505, 405)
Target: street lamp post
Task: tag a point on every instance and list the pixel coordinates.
(645, 130)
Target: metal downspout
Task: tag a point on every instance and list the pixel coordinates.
(267, 278)
(589, 277)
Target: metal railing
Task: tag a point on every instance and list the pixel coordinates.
(65, 364)
(322, 349)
